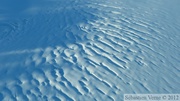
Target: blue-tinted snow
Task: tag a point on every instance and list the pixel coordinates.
(77, 50)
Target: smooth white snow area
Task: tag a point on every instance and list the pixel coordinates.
(88, 50)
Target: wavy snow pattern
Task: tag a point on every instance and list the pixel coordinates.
(89, 51)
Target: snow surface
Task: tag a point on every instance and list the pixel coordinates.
(88, 50)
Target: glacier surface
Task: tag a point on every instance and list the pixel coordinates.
(88, 50)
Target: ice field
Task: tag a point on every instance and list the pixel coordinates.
(88, 50)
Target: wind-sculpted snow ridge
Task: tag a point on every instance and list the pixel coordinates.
(90, 51)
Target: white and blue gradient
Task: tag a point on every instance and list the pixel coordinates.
(88, 50)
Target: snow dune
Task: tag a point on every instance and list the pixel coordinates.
(76, 50)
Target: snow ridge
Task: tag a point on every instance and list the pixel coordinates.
(89, 51)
